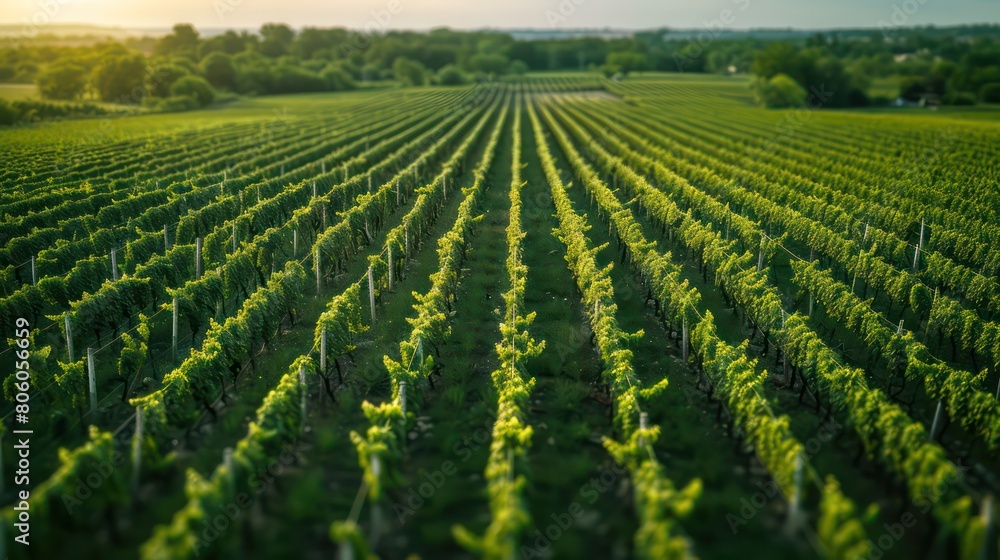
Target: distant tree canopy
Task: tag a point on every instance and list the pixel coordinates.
(62, 80)
(833, 69)
(822, 76)
(780, 91)
(120, 78)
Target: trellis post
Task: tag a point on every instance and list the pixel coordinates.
(318, 277)
(137, 449)
(175, 331)
(197, 258)
(92, 378)
(371, 292)
(920, 246)
(69, 336)
(391, 280)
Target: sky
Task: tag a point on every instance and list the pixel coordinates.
(475, 14)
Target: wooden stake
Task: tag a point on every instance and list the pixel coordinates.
(760, 254)
(69, 336)
(402, 398)
(175, 332)
(318, 277)
(114, 264)
(314, 189)
(795, 500)
(920, 246)
(684, 340)
(295, 243)
(371, 292)
(989, 551)
(391, 281)
(197, 258)
(643, 425)
(322, 351)
(899, 331)
(406, 249)
(227, 461)
(166, 239)
(137, 449)
(34, 275)
(234, 236)
(937, 421)
(344, 551)
(92, 377)
(302, 391)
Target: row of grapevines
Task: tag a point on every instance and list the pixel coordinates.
(886, 432)
(658, 502)
(982, 417)
(733, 375)
(511, 435)
(380, 447)
(973, 408)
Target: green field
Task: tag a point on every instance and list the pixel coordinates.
(18, 92)
(559, 317)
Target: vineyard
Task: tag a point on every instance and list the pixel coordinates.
(558, 317)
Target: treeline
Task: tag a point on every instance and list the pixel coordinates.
(184, 69)
(825, 71)
(29, 110)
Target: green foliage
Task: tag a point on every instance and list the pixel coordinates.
(450, 75)
(624, 62)
(62, 81)
(8, 115)
(163, 75)
(193, 86)
(495, 64)
(409, 72)
(990, 93)
(120, 78)
(218, 69)
(778, 92)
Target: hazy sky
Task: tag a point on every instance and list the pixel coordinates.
(422, 14)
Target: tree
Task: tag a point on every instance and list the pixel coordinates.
(193, 86)
(625, 62)
(778, 92)
(450, 75)
(337, 77)
(229, 42)
(163, 76)
(183, 41)
(277, 39)
(62, 80)
(990, 93)
(409, 72)
(496, 64)
(218, 69)
(121, 78)
(518, 68)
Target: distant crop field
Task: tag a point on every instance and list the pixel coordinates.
(553, 317)
(17, 92)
